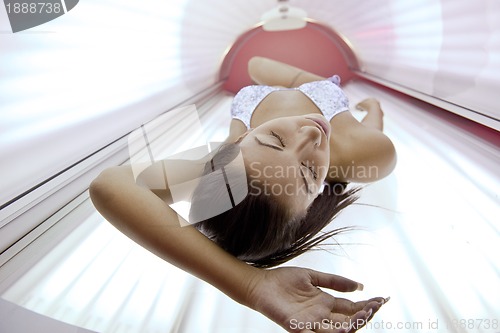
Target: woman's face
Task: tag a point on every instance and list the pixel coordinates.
(288, 158)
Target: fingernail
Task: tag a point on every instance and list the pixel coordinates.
(360, 287)
(368, 314)
(384, 300)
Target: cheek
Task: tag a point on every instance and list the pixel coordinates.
(303, 203)
(323, 165)
(300, 198)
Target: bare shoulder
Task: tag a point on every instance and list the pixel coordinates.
(275, 73)
(369, 151)
(236, 129)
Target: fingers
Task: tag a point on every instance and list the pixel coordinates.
(347, 307)
(368, 104)
(335, 282)
(358, 319)
(342, 323)
(327, 326)
(350, 322)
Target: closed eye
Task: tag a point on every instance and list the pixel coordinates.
(280, 139)
(264, 141)
(311, 169)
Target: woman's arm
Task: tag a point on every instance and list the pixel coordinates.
(145, 218)
(236, 130)
(275, 73)
(363, 153)
(289, 296)
(375, 116)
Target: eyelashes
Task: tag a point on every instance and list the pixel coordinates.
(311, 169)
(283, 144)
(280, 139)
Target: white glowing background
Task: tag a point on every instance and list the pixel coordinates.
(430, 243)
(75, 84)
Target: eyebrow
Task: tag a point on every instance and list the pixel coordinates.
(268, 144)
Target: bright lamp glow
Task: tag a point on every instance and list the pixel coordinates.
(67, 77)
(284, 17)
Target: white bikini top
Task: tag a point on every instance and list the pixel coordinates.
(325, 94)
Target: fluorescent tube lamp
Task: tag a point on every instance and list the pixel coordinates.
(284, 17)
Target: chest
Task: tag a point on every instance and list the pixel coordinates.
(282, 103)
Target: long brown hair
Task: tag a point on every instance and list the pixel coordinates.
(258, 229)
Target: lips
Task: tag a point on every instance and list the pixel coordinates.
(322, 125)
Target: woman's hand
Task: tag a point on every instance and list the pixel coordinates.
(290, 296)
(370, 105)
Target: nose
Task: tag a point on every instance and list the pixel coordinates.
(309, 136)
